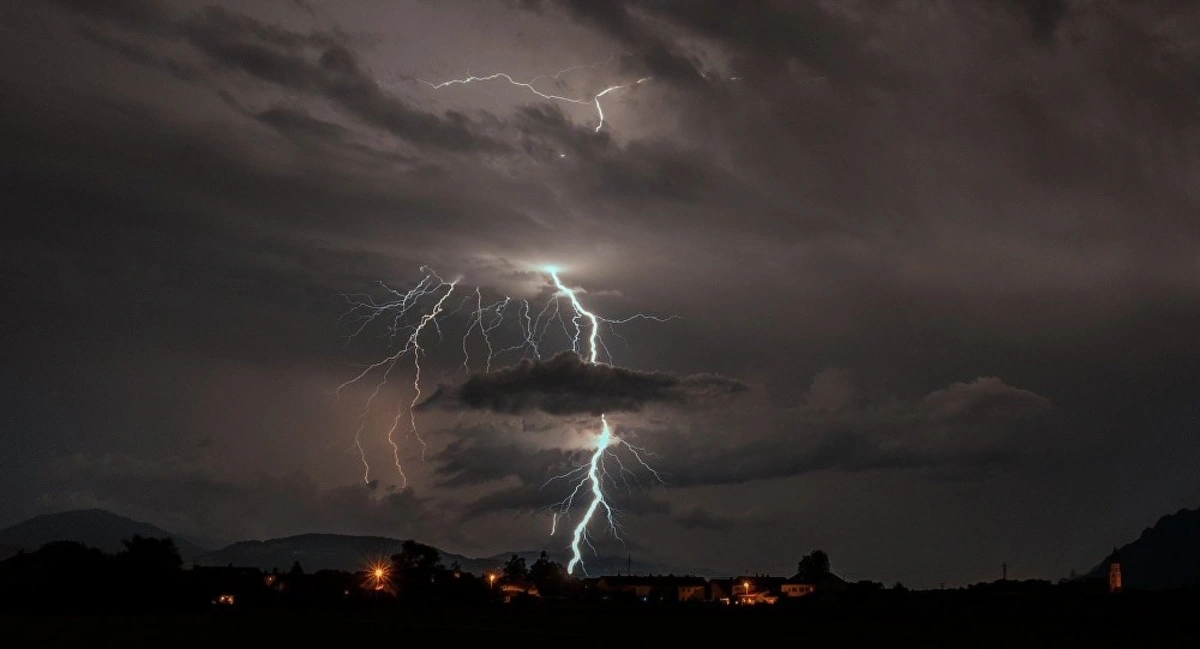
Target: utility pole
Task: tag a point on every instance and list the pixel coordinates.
(1004, 571)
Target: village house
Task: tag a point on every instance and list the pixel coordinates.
(657, 588)
(519, 589)
(759, 589)
(796, 588)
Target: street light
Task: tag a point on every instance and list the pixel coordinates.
(377, 576)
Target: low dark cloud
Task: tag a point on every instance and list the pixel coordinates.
(838, 425)
(984, 399)
(477, 459)
(299, 124)
(699, 518)
(842, 426)
(565, 384)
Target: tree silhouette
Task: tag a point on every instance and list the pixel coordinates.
(150, 556)
(813, 566)
(62, 576)
(417, 558)
(417, 568)
(515, 569)
(150, 571)
(550, 577)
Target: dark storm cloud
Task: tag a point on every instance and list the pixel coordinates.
(1044, 16)
(839, 427)
(530, 497)
(533, 497)
(299, 124)
(699, 518)
(470, 461)
(653, 50)
(669, 183)
(762, 38)
(1069, 110)
(139, 13)
(319, 63)
(986, 398)
(566, 384)
(979, 423)
(534, 478)
(195, 227)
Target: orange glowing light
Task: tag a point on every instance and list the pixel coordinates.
(377, 576)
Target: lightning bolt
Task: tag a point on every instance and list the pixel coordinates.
(593, 100)
(593, 478)
(583, 333)
(580, 312)
(397, 308)
(595, 473)
(594, 341)
(412, 414)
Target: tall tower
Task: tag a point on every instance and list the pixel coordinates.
(1114, 572)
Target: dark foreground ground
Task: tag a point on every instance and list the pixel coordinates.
(1111, 624)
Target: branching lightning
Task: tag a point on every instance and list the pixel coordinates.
(582, 331)
(593, 474)
(592, 477)
(593, 100)
(397, 309)
(580, 312)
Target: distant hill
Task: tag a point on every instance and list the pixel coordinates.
(104, 530)
(95, 528)
(1165, 556)
(347, 552)
(319, 551)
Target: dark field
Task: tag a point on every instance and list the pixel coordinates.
(1115, 624)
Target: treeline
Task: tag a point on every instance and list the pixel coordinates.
(148, 575)
(70, 577)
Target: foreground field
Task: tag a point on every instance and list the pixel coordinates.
(573, 627)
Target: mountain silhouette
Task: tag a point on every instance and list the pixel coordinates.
(94, 528)
(349, 552)
(320, 552)
(105, 530)
(1165, 556)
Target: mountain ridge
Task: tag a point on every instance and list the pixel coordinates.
(317, 550)
(97, 528)
(1165, 556)
(314, 551)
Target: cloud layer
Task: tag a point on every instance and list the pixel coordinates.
(566, 384)
(983, 213)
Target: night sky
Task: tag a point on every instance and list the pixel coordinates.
(933, 268)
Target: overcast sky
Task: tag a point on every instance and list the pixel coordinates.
(932, 265)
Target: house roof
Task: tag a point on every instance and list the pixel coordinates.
(653, 580)
(828, 580)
